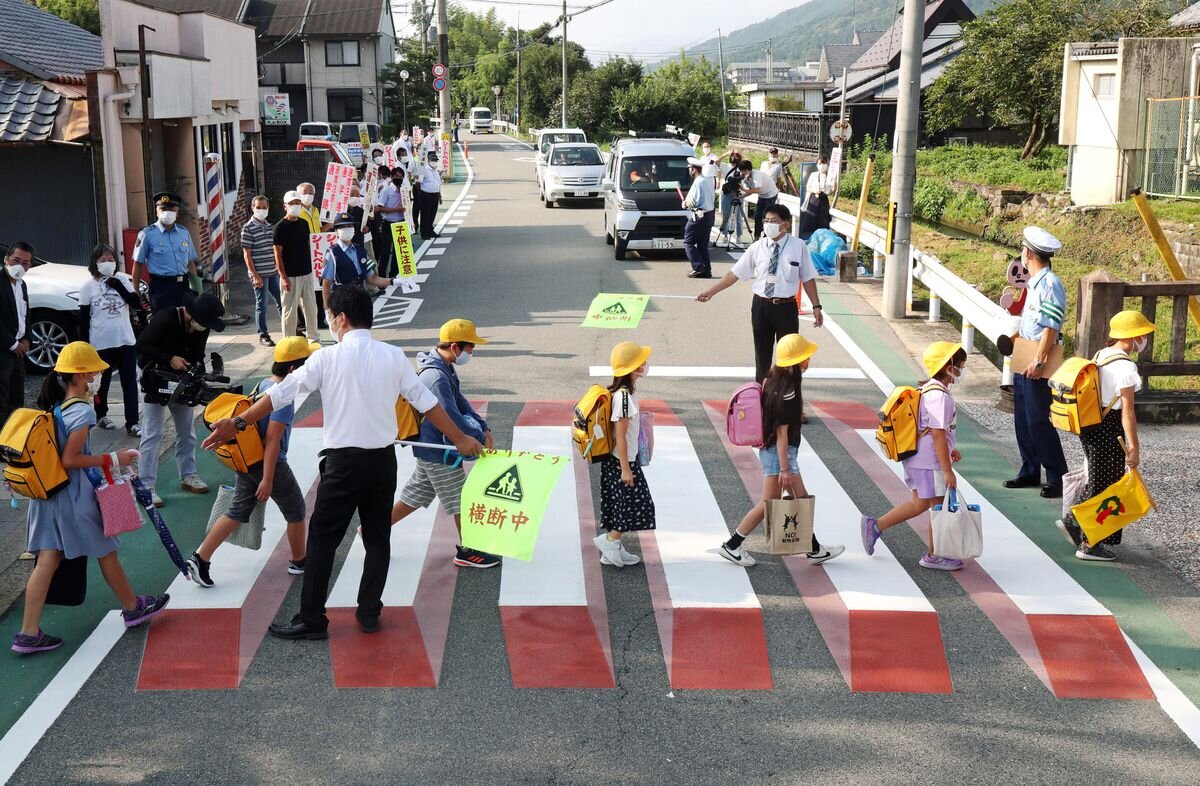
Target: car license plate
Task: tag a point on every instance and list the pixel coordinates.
(663, 243)
(581, 193)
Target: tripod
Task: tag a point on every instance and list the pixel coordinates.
(737, 216)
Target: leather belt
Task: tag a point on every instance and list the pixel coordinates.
(777, 301)
(176, 279)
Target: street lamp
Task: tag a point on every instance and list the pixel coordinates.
(404, 98)
(496, 90)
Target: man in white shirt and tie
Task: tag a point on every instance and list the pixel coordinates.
(358, 467)
(779, 265)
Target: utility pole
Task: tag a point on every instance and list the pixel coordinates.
(144, 78)
(443, 29)
(564, 58)
(520, 112)
(721, 65)
(904, 162)
(770, 60)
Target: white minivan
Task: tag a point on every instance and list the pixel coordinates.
(553, 136)
(481, 120)
(573, 171)
(318, 129)
(642, 184)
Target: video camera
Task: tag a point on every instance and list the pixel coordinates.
(191, 388)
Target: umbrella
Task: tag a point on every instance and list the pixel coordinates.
(146, 500)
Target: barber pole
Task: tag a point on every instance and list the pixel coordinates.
(216, 217)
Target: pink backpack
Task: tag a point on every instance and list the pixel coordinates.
(744, 417)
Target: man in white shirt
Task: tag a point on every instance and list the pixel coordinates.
(14, 312)
(430, 196)
(762, 183)
(779, 265)
(403, 143)
(358, 467)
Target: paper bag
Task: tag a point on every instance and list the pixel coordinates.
(1025, 352)
(790, 525)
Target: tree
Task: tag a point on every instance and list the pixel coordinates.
(81, 13)
(683, 92)
(1010, 67)
(590, 95)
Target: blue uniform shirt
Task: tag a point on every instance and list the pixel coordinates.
(164, 252)
(357, 258)
(1045, 305)
(702, 194)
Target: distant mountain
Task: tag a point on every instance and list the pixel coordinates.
(798, 33)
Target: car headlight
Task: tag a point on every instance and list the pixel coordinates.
(554, 177)
(626, 204)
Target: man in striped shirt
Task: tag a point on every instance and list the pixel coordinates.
(259, 252)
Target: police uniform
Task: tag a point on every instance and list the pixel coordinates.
(169, 256)
(1045, 308)
(345, 265)
(701, 202)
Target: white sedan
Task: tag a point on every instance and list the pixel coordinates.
(53, 311)
(572, 171)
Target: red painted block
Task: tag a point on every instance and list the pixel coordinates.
(897, 652)
(393, 657)
(1087, 657)
(192, 649)
(719, 649)
(554, 647)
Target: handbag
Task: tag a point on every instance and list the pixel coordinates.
(118, 509)
(68, 585)
(645, 438)
(1074, 484)
(248, 534)
(790, 524)
(1118, 506)
(957, 528)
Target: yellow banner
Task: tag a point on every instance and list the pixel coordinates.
(1118, 506)
(402, 243)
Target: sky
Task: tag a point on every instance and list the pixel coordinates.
(646, 29)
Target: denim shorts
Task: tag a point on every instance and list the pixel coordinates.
(769, 458)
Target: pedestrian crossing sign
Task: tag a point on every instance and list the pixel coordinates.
(609, 310)
(505, 498)
(506, 487)
(616, 309)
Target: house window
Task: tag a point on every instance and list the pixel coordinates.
(345, 106)
(230, 150)
(341, 53)
(1106, 85)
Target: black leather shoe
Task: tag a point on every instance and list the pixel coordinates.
(367, 624)
(1052, 492)
(1021, 483)
(699, 274)
(297, 630)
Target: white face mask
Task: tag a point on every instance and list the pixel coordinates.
(960, 373)
(261, 213)
(707, 150)
(772, 229)
(356, 201)
(822, 168)
(464, 357)
(1139, 344)
(106, 268)
(378, 159)
(772, 159)
(345, 234)
(294, 210)
(16, 272)
(307, 199)
(93, 387)
(167, 217)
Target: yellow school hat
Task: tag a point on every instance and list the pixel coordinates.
(937, 355)
(79, 357)
(460, 331)
(294, 348)
(628, 356)
(1129, 324)
(793, 349)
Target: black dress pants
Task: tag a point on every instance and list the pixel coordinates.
(12, 383)
(352, 480)
(770, 321)
(429, 210)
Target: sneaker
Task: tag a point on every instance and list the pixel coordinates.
(870, 534)
(470, 558)
(940, 563)
(296, 566)
(25, 644)
(194, 484)
(610, 550)
(266, 340)
(157, 500)
(737, 556)
(825, 554)
(1097, 553)
(198, 570)
(134, 431)
(1070, 531)
(26, 555)
(147, 607)
(106, 423)
(628, 558)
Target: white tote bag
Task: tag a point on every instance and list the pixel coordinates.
(957, 528)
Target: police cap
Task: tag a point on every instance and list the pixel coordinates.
(343, 220)
(168, 200)
(1041, 241)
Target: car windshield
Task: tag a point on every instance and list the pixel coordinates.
(482, 114)
(349, 133)
(655, 173)
(558, 139)
(576, 156)
(310, 129)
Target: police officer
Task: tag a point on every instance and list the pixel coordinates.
(168, 254)
(1041, 321)
(700, 203)
(346, 261)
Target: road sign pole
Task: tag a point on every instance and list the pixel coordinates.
(443, 23)
(904, 167)
(564, 59)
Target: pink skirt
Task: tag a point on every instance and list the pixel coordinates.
(928, 483)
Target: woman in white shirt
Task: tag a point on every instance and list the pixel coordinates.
(815, 213)
(105, 305)
(1129, 331)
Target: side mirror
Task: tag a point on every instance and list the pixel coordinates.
(608, 185)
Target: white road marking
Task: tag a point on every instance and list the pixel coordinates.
(427, 264)
(443, 241)
(729, 372)
(436, 252)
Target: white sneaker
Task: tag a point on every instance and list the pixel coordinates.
(824, 555)
(193, 483)
(106, 423)
(737, 556)
(610, 550)
(157, 500)
(627, 557)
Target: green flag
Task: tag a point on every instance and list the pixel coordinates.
(505, 498)
(610, 310)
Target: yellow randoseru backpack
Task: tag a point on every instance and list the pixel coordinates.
(1075, 404)
(408, 421)
(897, 432)
(246, 448)
(591, 429)
(29, 448)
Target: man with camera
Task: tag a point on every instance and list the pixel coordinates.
(174, 343)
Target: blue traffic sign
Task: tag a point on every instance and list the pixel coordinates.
(439, 84)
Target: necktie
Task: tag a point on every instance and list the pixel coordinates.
(772, 269)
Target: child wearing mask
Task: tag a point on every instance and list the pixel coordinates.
(106, 303)
(68, 525)
(929, 473)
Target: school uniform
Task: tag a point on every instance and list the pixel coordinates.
(778, 270)
(1037, 440)
(625, 508)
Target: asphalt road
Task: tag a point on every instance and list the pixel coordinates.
(526, 274)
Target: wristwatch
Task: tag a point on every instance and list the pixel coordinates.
(239, 423)
(817, 307)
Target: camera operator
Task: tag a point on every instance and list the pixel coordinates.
(174, 340)
(731, 204)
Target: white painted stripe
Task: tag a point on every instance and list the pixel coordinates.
(1173, 701)
(554, 577)
(1034, 582)
(436, 252)
(410, 541)
(427, 264)
(236, 569)
(875, 583)
(447, 230)
(454, 221)
(518, 141)
(442, 241)
(691, 528)
(874, 373)
(45, 709)
(729, 372)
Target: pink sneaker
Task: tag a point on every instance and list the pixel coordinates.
(940, 563)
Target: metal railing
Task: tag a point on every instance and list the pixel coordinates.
(1171, 167)
(805, 132)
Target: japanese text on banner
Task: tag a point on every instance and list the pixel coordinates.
(318, 245)
(610, 310)
(402, 242)
(505, 498)
(444, 163)
(370, 186)
(335, 197)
